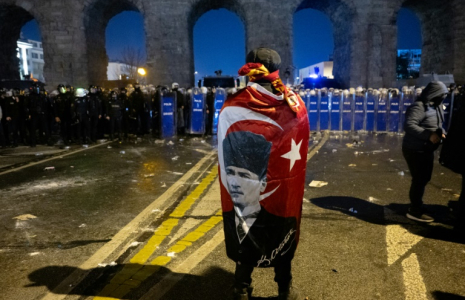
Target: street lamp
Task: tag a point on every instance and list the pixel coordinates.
(141, 72)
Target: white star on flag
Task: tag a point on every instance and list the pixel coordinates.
(294, 154)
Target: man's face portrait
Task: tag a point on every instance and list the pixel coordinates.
(244, 186)
(246, 157)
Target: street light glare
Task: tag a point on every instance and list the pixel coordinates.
(141, 71)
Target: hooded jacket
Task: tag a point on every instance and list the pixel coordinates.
(424, 117)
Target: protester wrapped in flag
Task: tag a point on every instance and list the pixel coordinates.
(263, 135)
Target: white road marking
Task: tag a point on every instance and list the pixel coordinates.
(65, 287)
(318, 147)
(399, 241)
(52, 158)
(415, 288)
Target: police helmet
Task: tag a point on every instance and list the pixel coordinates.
(80, 93)
(93, 89)
(61, 89)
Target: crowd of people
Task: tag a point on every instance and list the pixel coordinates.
(82, 116)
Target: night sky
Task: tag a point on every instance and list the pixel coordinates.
(219, 38)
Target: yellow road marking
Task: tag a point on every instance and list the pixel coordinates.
(65, 287)
(415, 288)
(132, 275)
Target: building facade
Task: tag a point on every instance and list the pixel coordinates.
(31, 59)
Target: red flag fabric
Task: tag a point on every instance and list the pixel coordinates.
(262, 153)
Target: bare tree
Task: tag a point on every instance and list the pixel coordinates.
(132, 60)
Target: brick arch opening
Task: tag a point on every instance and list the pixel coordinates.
(13, 19)
(96, 18)
(313, 43)
(341, 16)
(437, 30)
(409, 41)
(221, 47)
(204, 6)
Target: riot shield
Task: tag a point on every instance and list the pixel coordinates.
(168, 125)
(324, 109)
(335, 107)
(347, 111)
(220, 98)
(359, 110)
(196, 124)
(372, 96)
(382, 112)
(394, 110)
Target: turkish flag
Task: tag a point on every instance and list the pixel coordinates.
(262, 152)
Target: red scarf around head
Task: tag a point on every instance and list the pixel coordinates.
(257, 71)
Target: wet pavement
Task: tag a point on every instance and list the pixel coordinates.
(139, 220)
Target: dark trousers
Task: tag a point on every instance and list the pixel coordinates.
(82, 129)
(39, 121)
(282, 271)
(420, 165)
(13, 131)
(115, 124)
(461, 208)
(94, 122)
(2, 136)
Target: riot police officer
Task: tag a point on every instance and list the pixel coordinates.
(114, 114)
(12, 115)
(81, 112)
(138, 103)
(61, 109)
(37, 110)
(95, 112)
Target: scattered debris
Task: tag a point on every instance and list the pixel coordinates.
(334, 150)
(34, 253)
(352, 210)
(446, 190)
(67, 147)
(85, 146)
(334, 270)
(39, 154)
(149, 175)
(401, 173)
(202, 141)
(135, 244)
(112, 264)
(306, 200)
(159, 141)
(175, 173)
(317, 184)
(156, 210)
(175, 158)
(188, 163)
(374, 165)
(164, 185)
(171, 254)
(72, 167)
(25, 217)
(170, 143)
(109, 147)
(49, 169)
(456, 196)
(373, 199)
(389, 189)
(391, 160)
(352, 165)
(82, 225)
(356, 153)
(122, 152)
(315, 142)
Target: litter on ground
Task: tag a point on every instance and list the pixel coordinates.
(317, 184)
(175, 158)
(149, 175)
(25, 217)
(49, 169)
(352, 165)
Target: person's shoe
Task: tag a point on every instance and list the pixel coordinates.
(419, 215)
(241, 294)
(290, 294)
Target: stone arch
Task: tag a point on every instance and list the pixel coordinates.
(97, 14)
(342, 16)
(13, 19)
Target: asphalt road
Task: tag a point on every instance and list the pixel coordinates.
(139, 220)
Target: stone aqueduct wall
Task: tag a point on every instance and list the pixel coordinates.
(365, 35)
